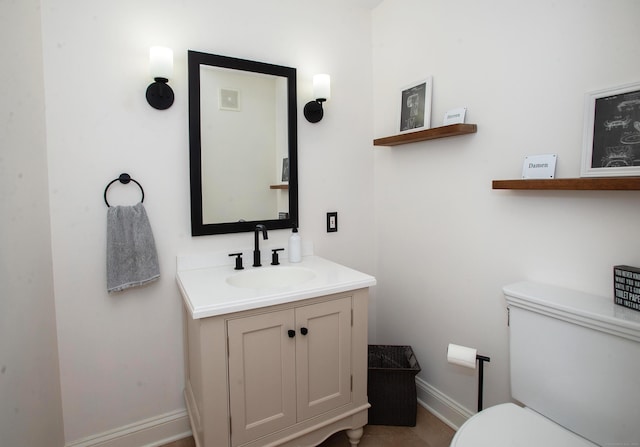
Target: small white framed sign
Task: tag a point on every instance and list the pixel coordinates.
(539, 166)
(455, 116)
(415, 106)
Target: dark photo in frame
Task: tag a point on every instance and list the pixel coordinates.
(612, 132)
(285, 169)
(415, 106)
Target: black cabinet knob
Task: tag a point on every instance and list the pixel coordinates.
(291, 333)
(304, 331)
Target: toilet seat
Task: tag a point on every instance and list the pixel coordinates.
(508, 425)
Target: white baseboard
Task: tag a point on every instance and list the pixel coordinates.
(442, 406)
(152, 432)
(169, 427)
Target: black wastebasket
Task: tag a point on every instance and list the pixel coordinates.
(391, 385)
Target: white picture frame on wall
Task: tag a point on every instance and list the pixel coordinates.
(611, 136)
(415, 106)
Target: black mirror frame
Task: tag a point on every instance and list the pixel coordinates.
(195, 59)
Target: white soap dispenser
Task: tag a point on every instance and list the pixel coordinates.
(295, 249)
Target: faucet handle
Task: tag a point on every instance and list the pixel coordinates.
(238, 260)
(274, 256)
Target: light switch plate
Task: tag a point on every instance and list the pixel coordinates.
(332, 222)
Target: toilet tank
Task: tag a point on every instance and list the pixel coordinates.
(575, 358)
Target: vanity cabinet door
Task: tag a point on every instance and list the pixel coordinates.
(261, 375)
(323, 357)
(288, 366)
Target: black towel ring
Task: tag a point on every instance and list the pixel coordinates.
(124, 179)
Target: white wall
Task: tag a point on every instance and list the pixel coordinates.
(30, 403)
(121, 355)
(447, 241)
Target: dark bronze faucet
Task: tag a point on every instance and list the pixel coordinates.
(256, 249)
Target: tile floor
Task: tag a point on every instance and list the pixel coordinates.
(428, 432)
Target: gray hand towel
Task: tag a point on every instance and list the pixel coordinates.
(132, 259)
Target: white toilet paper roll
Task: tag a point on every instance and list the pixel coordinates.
(461, 355)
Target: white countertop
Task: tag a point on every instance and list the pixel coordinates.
(206, 292)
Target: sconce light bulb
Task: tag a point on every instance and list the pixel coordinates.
(322, 87)
(159, 94)
(161, 62)
(313, 110)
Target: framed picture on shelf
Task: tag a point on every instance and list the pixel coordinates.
(611, 138)
(285, 169)
(415, 106)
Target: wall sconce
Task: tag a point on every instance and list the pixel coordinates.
(159, 94)
(322, 91)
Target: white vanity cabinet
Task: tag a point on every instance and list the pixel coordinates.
(289, 374)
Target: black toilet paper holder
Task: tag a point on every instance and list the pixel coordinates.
(481, 359)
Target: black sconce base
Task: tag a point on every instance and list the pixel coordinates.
(160, 95)
(313, 111)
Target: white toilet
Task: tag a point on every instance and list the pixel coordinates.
(575, 364)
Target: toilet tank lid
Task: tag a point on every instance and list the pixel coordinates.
(507, 425)
(592, 311)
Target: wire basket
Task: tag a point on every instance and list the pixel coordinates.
(391, 385)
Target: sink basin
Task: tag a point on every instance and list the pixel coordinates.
(270, 277)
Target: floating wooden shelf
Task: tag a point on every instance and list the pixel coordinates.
(279, 187)
(572, 184)
(427, 134)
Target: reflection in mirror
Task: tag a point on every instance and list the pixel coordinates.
(243, 148)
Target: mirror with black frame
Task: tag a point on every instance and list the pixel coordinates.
(242, 145)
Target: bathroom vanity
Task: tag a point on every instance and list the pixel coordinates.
(275, 355)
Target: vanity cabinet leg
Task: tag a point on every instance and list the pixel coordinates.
(355, 435)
